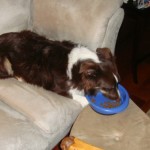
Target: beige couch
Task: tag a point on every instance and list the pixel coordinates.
(32, 118)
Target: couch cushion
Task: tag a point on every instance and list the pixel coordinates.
(15, 15)
(49, 111)
(83, 21)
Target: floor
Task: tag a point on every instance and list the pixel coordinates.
(134, 41)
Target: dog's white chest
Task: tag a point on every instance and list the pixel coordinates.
(78, 95)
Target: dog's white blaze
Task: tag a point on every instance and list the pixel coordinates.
(80, 53)
(115, 77)
(118, 92)
(117, 82)
(8, 67)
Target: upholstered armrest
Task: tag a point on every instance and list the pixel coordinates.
(47, 110)
(128, 130)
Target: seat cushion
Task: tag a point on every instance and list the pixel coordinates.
(47, 110)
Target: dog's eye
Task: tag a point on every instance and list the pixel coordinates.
(91, 74)
(108, 89)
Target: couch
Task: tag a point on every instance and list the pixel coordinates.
(32, 118)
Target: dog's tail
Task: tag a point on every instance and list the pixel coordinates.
(5, 68)
(5, 65)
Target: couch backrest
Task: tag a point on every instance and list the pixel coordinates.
(81, 21)
(15, 15)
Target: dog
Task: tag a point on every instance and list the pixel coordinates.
(60, 66)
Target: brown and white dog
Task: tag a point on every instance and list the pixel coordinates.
(62, 67)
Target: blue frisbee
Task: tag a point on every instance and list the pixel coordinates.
(103, 105)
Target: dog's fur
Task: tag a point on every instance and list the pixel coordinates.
(62, 67)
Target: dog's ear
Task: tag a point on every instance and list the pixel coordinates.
(104, 54)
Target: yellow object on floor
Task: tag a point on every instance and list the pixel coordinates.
(80, 145)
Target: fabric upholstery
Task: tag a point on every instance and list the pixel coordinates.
(128, 130)
(49, 111)
(148, 113)
(15, 15)
(16, 132)
(112, 30)
(29, 117)
(76, 20)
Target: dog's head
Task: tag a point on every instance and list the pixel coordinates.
(101, 76)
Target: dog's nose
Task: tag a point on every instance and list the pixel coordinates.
(115, 97)
(114, 94)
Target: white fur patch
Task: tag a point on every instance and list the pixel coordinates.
(75, 91)
(117, 82)
(115, 77)
(19, 79)
(8, 67)
(78, 95)
(80, 53)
